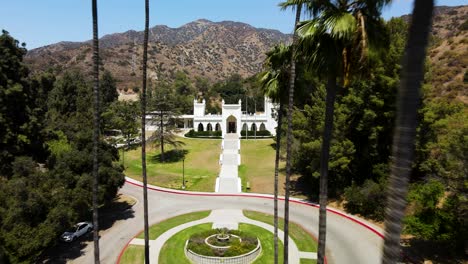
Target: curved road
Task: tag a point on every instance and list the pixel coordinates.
(348, 240)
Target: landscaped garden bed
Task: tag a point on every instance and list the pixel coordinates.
(222, 243)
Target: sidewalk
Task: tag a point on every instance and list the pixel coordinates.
(228, 180)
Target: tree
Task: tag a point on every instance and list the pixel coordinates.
(292, 78)
(164, 105)
(339, 34)
(143, 132)
(95, 132)
(404, 136)
(123, 115)
(17, 104)
(273, 83)
(108, 89)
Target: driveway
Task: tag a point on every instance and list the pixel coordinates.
(349, 239)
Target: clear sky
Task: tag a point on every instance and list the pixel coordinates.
(43, 22)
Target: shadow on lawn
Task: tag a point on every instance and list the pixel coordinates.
(63, 252)
(171, 156)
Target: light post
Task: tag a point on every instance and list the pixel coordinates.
(183, 173)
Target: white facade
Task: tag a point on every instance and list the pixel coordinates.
(231, 119)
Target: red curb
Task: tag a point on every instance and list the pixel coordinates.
(253, 196)
(126, 246)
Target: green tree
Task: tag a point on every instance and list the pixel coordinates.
(165, 107)
(19, 113)
(273, 83)
(108, 89)
(123, 115)
(289, 139)
(405, 131)
(338, 35)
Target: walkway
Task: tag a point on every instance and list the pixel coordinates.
(222, 218)
(228, 180)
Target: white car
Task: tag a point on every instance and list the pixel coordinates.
(80, 229)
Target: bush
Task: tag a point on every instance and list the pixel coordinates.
(203, 134)
(260, 133)
(368, 200)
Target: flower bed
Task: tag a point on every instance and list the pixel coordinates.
(207, 244)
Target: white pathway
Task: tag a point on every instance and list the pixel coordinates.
(222, 218)
(228, 180)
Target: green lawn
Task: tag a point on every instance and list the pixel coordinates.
(303, 239)
(133, 255)
(266, 238)
(258, 165)
(201, 165)
(308, 261)
(156, 230)
(173, 250)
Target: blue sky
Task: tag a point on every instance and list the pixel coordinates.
(43, 22)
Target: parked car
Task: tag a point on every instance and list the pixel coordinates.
(79, 230)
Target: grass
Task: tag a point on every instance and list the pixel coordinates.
(266, 238)
(308, 261)
(258, 165)
(172, 251)
(133, 255)
(156, 230)
(304, 241)
(201, 165)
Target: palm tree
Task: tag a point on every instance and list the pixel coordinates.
(143, 136)
(95, 132)
(292, 79)
(403, 139)
(273, 82)
(330, 42)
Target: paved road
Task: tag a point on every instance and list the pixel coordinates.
(347, 241)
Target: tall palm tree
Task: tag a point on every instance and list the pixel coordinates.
(330, 41)
(292, 79)
(405, 132)
(273, 82)
(95, 132)
(143, 136)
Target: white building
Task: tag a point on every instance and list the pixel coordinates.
(231, 119)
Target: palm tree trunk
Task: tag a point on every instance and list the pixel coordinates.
(95, 133)
(143, 136)
(275, 200)
(324, 156)
(406, 123)
(161, 136)
(292, 79)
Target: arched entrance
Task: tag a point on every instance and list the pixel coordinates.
(200, 127)
(231, 124)
(217, 127)
(209, 127)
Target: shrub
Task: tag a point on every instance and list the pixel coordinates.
(260, 133)
(203, 134)
(368, 199)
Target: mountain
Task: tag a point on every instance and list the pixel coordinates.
(215, 50)
(448, 53)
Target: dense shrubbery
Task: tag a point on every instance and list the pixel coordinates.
(203, 134)
(260, 133)
(368, 199)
